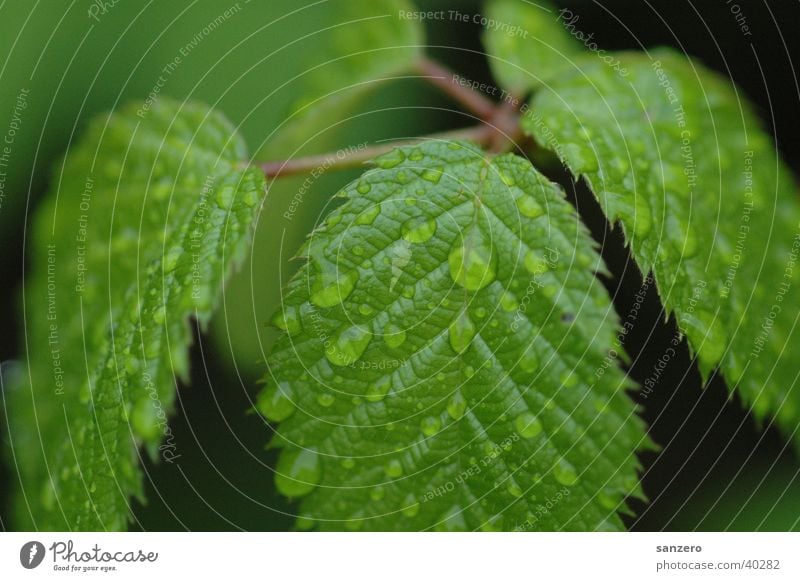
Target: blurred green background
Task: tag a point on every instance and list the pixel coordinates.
(719, 470)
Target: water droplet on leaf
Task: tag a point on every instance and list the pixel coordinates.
(418, 230)
(411, 508)
(326, 400)
(508, 303)
(172, 257)
(349, 345)
(378, 390)
(394, 469)
(528, 425)
(275, 402)
(368, 216)
(393, 336)
(430, 426)
(462, 332)
(225, 197)
(471, 261)
(298, 472)
(288, 320)
(433, 175)
(330, 290)
(529, 207)
(565, 473)
(391, 159)
(456, 406)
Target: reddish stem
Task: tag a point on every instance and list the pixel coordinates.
(481, 134)
(446, 80)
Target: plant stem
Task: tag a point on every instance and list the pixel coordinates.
(445, 80)
(344, 159)
(499, 130)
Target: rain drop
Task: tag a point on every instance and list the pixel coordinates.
(275, 402)
(393, 336)
(391, 159)
(472, 264)
(171, 258)
(565, 473)
(535, 264)
(457, 406)
(508, 303)
(326, 400)
(367, 217)
(331, 290)
(462, 332)
(528, 425)
(394, 469)
(430, 426)
(418, 230)
(349, 345)
(378, 390)
(288, 320)
(529, 207)
(412, 507)
(298, 472)
(225, 197)
(160, 315)
(433, 175)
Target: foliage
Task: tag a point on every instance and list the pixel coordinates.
(449, 356)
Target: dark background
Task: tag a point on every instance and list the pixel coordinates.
(718, 469)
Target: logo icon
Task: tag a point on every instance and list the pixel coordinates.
(31, 554)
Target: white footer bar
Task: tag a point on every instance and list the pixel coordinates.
(401, 556)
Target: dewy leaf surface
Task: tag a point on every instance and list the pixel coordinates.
(360, 47)
(527, 43)
(674, 153)
(446, 357)
(142, 225)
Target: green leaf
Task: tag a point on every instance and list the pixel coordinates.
(448, 357)
(364, 43)
(339, 71)
(675, 155)
(144, 221)
(528, 43)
